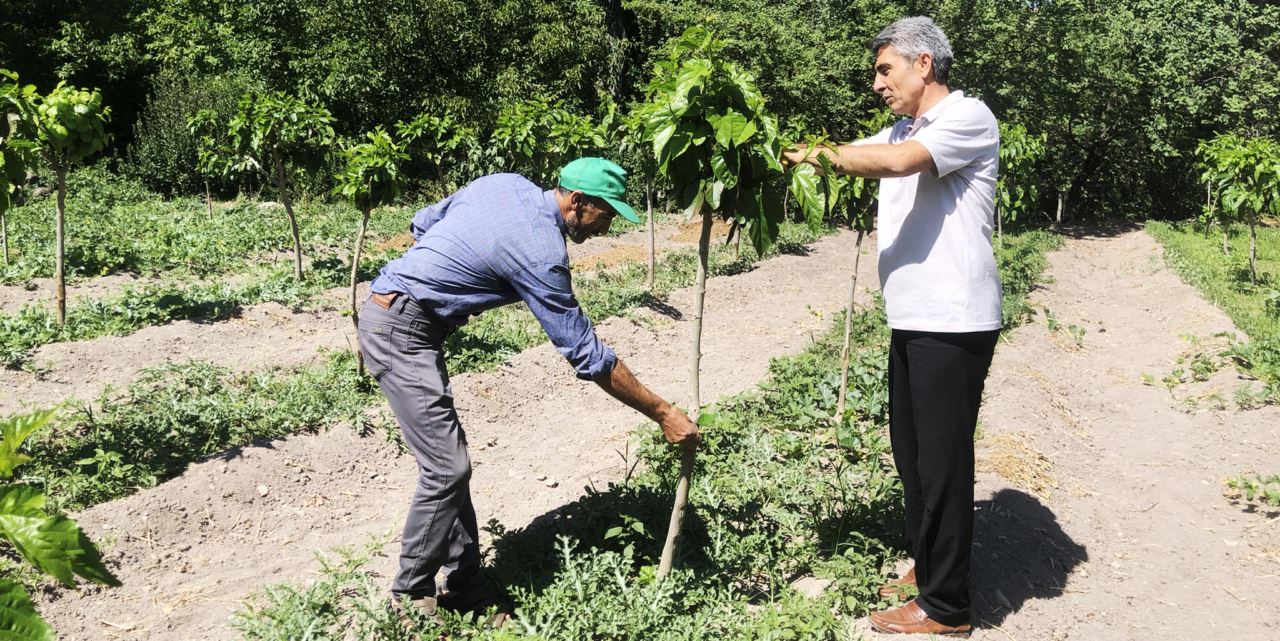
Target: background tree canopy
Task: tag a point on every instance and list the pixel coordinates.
(1122, 90)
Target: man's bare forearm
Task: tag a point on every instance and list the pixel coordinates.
(623, 385)
(869, 161)
(676, 426)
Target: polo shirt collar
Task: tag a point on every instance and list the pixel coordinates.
(552, 206)
(931, 115)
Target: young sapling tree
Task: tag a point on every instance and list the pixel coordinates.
(276, 134)
(717, 145)
(70, 127)
(371, 178)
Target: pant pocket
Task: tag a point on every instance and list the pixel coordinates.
(377, 347)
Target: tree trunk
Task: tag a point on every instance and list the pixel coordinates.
(59, 273)
(848, 328)
(653, 251)
(999, 227)
(282, 186)
(1226, 237)
(1062, 207)
(695, 402)
(355, 271)
(4, 235)
(1253, 251)
(208, 199)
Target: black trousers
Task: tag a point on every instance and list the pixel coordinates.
(403, 348)
(935, 388)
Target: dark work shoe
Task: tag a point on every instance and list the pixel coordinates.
(477, 601)
(423, 606)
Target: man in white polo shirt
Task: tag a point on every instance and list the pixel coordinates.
(942, 298)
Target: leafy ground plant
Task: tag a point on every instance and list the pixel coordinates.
(1227, 284)
(52, 543)
(1255, 488)
(781, 492)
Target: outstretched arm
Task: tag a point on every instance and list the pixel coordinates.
(676, 426)
(868, 161)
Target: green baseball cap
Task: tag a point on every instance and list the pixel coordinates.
(601, 178)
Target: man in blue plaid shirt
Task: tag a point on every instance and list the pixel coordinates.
(499, 240)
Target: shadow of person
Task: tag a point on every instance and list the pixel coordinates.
(1019, 553)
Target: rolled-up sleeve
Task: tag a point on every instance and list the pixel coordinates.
(548, 291)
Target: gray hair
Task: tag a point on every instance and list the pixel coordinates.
(914, 36)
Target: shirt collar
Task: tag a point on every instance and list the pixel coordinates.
(552, 206)
(931, 115)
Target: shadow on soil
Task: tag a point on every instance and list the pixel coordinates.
(1020, 553)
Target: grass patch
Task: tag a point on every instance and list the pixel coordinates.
(143, 306)
(1224, 281)
(114, 225)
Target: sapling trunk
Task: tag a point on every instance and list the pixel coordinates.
(848, 328)
(355, 271)
(4, 235)
(282, 185)
(695, 402)
(1253, 251)
(208, 199)
(999, 228)
(59, 272)
(653, 255)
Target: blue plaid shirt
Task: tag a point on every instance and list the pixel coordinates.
(496, 241)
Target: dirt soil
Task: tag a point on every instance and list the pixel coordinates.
(189, 550)
(258, 336)
(1099, 505)
(1109, 522)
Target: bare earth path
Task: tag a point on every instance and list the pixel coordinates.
(189, 550)
(1130, 537)
(257, 337)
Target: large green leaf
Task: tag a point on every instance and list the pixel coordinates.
(807, 190)
(54, 544)
(19, 620)
(764, 213)
(14, 430)
(732, 128)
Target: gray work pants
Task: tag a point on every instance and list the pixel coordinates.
(403, 349)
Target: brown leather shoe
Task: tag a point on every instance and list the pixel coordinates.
(910, 619)
(898, 587)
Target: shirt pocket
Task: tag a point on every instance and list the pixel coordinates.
(377, 347)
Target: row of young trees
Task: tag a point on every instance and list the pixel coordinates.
(1072, 71)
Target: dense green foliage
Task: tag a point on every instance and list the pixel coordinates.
(1074, 71)
(780, 492)
(713, 139)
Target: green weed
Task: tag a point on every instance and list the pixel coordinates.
(780, 491)
(178, 413)
(1224, 281)
(1255, 488)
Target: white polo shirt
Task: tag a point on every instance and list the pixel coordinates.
(937, 266)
